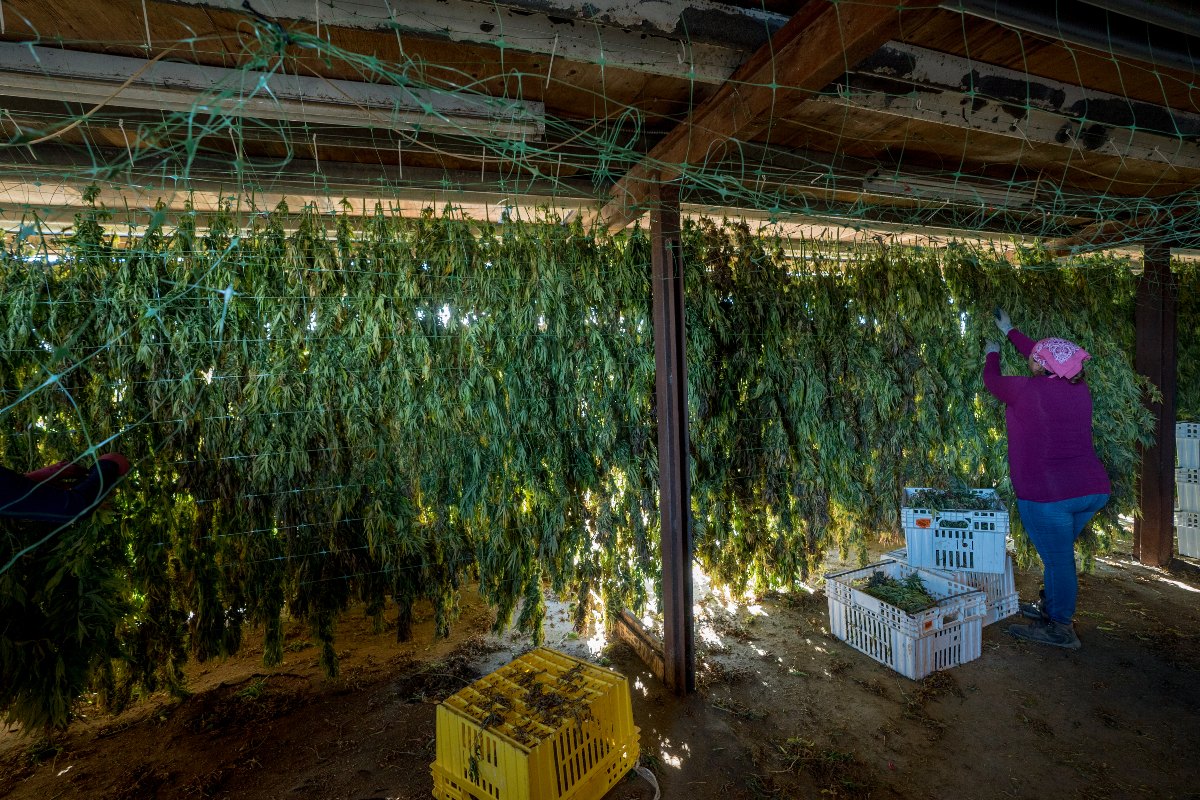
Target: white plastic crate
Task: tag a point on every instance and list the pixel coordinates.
(1187, 489)
(1187, 528)
(949, 634)
(956, 540)
(1187, 445)
(1000, 588)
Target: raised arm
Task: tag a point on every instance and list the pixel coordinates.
(23, 498)
(1022, 342)
(1006, 389)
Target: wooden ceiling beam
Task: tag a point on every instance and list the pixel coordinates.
(57, 203)
(932, 69)
(696, 40)
(922, 84)
(823, 40)
(1177, 225)
(71, 76)
(1036, 127)
(53, 185)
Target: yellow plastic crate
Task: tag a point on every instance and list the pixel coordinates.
(545, 726)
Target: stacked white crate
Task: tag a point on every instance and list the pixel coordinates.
(966, 546)
(1187, 488)
(914, 644)
(1000, 588)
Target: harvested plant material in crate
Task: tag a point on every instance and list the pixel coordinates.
(964, 539)
(954, 499)
(545, 726)
(907, 594)
(914, 644)
(1000, 588)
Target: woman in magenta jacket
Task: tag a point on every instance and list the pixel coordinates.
(1058, 479)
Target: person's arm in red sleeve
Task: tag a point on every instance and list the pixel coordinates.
(62, 471)
(1022, 342)
(1006, 389)
(24, 498)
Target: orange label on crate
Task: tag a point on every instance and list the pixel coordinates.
(924, 522)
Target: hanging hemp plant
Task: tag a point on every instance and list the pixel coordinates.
(333, 410)
(824, 381)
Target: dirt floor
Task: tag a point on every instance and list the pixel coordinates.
(784, 711)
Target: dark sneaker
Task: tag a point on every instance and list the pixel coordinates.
(1034, 611)
(1056, 634)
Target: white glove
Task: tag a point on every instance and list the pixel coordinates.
(1003, 322)
(992, 347)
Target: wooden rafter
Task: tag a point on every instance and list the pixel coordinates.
(54, 74)
(1174, 225)
(820, 42)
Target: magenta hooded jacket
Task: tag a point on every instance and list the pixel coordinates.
(1050, 452)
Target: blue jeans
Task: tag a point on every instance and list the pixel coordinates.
(1053, 529)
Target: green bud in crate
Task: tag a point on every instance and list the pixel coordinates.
(945, 499)
(908, 594)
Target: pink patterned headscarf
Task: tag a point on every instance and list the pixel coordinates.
(1062, 359)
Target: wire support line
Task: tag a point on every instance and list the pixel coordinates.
(418, 374)
(475, 336)
(331, 550)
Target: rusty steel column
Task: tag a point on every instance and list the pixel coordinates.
(1154, 531)
(670, 367)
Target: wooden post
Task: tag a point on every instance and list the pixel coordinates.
(1154, 531)
(671, 390)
